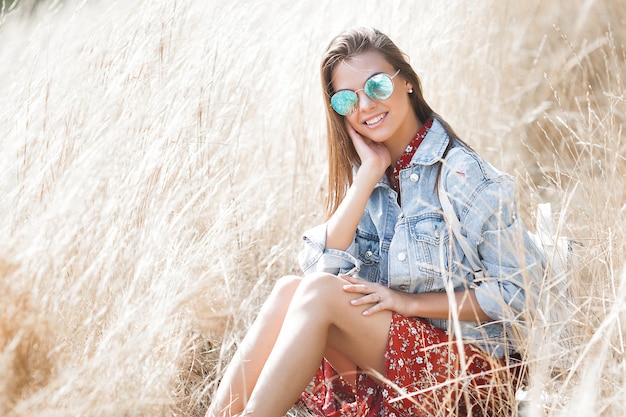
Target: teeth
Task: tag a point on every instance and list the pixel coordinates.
(374, 120)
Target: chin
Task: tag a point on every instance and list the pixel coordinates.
(378, 136)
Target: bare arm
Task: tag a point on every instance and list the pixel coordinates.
(375, 159)
(427, 305)
(437, 306)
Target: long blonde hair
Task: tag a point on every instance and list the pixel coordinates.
(342, 156)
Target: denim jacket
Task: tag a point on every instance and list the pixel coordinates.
(410, 248)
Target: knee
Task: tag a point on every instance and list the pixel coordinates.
(286, 287)
(312, 291)
(319, 287)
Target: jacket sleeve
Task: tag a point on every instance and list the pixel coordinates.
(513, 265)
(314, 257)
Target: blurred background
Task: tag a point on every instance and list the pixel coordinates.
(160, 160)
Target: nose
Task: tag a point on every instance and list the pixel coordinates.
(365, 102)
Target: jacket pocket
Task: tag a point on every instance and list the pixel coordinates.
(368, 252)
(431, 245)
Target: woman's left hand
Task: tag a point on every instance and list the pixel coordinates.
(380, 296)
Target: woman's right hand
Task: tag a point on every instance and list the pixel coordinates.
(375, 156)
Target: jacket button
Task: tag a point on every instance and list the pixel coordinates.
(402, 256)
(414, 177)
(404, 287)
(368, 254)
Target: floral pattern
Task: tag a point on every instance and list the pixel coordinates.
(406, 157)
(425, 376)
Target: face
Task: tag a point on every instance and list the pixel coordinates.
(386, 121)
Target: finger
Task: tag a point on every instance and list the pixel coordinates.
(357, 139)
(369, 298)
(374, 309)
(349, 128)
(359, 281)
(347, 277)
(357, 289)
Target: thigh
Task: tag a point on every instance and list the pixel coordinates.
(361, 339)
(343, 365)
(261, 336)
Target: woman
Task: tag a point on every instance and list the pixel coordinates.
(389, 304)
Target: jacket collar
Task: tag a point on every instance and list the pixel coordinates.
(432, 148)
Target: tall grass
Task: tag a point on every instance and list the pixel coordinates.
(160, 160)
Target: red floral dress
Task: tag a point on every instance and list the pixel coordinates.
(424, 377)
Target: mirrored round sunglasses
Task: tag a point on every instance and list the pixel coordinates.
(377, 87)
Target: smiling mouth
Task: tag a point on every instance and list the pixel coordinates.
(375, 120)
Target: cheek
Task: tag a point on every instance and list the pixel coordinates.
(354, 122)
(359, 128)
(401, 104)
(399, 98)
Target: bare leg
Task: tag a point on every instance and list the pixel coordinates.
(343, 365)
(245, 367)
(320, 314)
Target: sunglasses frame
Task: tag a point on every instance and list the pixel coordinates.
(353, 109)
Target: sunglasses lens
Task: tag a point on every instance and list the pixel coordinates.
(344, 102)
(379, 87)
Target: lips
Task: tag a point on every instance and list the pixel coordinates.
(375, 120)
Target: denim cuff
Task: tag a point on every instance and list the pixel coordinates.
(495, 299)
(316, 258)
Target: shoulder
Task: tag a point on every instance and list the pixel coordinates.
(474, 182)
(465, 165)
(461, 157)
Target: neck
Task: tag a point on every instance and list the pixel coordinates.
(404, 137)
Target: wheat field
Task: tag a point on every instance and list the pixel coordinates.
(160, 160)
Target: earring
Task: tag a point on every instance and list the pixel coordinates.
(411, 91)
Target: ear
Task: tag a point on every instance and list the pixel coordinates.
(409, 87)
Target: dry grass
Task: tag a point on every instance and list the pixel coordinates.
(160, 160)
